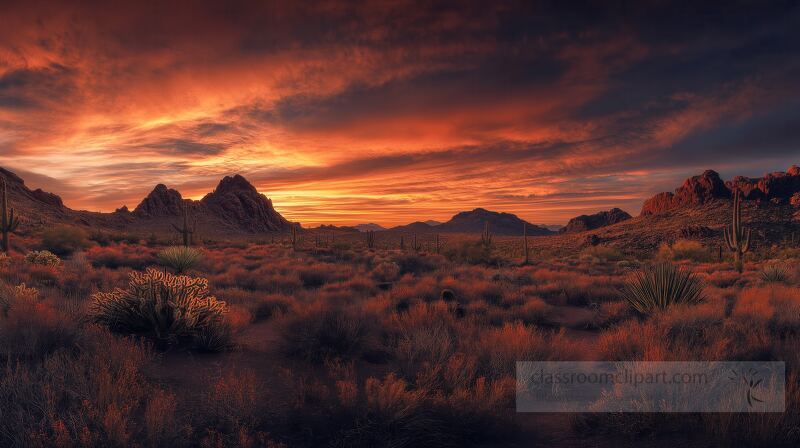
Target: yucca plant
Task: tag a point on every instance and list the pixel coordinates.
(774, 274)
(179, 258)
(661, 286)
(172, 309)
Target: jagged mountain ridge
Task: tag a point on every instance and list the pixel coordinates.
(234, 207)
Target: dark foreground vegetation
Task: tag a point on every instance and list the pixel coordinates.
(343, 345)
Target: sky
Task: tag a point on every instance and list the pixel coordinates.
(393, 112)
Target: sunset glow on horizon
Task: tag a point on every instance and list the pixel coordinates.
(385, 112)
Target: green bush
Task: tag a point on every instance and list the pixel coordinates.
(64, 240)
(42, 258)
(168, 308)
(659, 287)
(179, 258)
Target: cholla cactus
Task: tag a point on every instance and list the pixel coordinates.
(169, 308)
(42, 258)
(8, 223)
(737, 237)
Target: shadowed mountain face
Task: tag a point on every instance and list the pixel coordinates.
(235, 206)
(595, 221)
(499, 223)
(475, 222)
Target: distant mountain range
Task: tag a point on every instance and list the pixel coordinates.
(369, 227)
(235, 207)
(475, 221)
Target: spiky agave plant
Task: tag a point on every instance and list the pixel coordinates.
(168, 308)
(179, 258)
(661, 286)
(774, 274)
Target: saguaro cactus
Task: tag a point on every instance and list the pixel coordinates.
(9, 223)
(294, 236)
(737, 237)
(370, 239)
(188, 229)
(525, 242)
(437, 244)
(486, 236)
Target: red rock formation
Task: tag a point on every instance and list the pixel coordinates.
(235, 200)
(162, 201)
(597, 220)
(776, 187)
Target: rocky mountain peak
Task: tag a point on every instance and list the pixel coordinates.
(237, 200)
(777, 187)
(595, 221)
(162, 201)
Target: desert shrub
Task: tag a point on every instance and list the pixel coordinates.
(322, 331)
(416, 264)
(470, 252)
(64, 240)
(179, 258)
(684, 250)
(5, 260)
(11, 294)
(663, 285)
(115, 257)
(774, 274)
(42, 258)
(603, 254)
(313, 277)
(167, 308)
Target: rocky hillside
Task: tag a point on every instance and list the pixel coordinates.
(234, 207)
(590, 222)
(778, 188)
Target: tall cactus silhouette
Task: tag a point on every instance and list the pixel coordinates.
(293, 236)
(737, 237)
(9, 223)
(188, 229)
(486, 236)
(525, 243)
(370, 239)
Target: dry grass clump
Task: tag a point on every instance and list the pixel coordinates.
(684, 250)
(774, 274)
(170, 309)
(601, 254)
